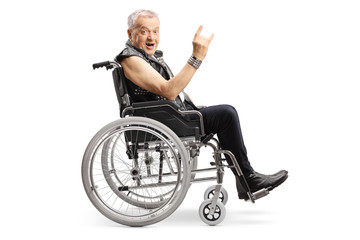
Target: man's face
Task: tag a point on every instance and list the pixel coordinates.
(146, 35)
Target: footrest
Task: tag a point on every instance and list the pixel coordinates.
(261, 193)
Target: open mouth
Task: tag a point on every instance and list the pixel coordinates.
(150, 45)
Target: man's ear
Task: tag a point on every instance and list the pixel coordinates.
(129, 32)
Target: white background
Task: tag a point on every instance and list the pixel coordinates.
(289, 67)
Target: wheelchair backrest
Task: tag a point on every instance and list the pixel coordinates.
(121, 89)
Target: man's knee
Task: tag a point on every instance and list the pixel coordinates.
(219, 117)
(229, 111)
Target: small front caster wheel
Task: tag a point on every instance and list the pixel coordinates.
(210, 192)
(212, 219)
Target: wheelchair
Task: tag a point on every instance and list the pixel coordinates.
(137, 170)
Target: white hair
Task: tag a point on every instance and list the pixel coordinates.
(141, 12)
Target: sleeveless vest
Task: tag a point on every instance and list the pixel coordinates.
(138, 94)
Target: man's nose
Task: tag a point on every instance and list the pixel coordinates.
(150, 36)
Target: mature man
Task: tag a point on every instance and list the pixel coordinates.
(149, 78)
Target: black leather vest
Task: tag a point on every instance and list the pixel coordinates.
(138, 94)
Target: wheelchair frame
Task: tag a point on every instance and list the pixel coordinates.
(175, 142)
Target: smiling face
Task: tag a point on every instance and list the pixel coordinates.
(146, 34)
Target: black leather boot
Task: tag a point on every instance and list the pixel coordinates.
(257, 181)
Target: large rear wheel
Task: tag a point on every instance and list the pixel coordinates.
(136, 171)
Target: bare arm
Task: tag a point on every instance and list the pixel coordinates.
(143, 75)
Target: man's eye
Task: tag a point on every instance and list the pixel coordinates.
(143, 31)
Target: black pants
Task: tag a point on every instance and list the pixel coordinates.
(223, 120)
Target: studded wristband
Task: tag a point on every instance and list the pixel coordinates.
(195, 62)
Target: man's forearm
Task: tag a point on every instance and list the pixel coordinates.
(179, 82)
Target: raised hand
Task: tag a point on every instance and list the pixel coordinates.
(201, 44)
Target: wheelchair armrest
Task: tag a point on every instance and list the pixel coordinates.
(183, 123)
(151, 104)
